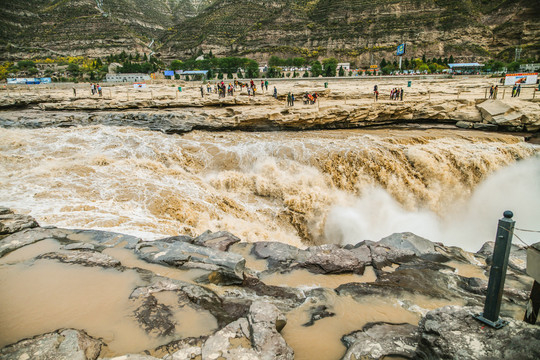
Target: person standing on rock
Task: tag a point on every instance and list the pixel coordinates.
(266, 84)
(491, 92)
(289, 99)
(401, 95)
(518, 90)
(262, 85)
(495, 92)
(275, 93)
(292, 99)
(202, 91)
(514, 90)
(99, 90)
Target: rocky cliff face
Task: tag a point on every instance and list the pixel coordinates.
(350, 30)
(89, 27)
(355, 30)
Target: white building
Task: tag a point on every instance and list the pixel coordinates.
(345, 66)
(126, 77)
(529, 67)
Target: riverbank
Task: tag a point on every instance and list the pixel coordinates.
(343, 104)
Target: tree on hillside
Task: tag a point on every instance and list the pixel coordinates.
(388, 69)
(274, 61)
(25, 64)
(341, 71)
(299, 61)
(176, 65)
(251, 68)
(316, 68)
(273, 72)
(383, 63)
(451, 60)
(73, 69)
(330, 67)
(424, 58)
(513, 66)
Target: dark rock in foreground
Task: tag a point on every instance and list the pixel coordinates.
(451, 332)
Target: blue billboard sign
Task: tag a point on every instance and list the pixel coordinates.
(400, 49)
(169, 73)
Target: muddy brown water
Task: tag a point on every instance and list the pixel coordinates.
(44, 295)
(40, 296)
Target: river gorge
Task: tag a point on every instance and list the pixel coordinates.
(197, 244)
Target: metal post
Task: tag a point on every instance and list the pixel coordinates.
(497, 275)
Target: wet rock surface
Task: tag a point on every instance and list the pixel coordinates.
(229, 266)
(66, 344)
(377, 340)
(11, 223)
(220, 240)
(251, 314)
(516, 261)
(332, 259)
(85, 258)
(452, 331)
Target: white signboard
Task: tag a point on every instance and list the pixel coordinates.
(19, 80)
(139, 86)
(528, 78)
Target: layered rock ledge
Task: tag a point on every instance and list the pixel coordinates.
(346, 104)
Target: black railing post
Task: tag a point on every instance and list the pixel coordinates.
(497, 274)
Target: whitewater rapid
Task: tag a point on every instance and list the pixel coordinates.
(300, 188)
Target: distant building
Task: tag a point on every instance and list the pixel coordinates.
(466, 68)
(345, 66)
(184, 74)
(126, 77)
(529, 67)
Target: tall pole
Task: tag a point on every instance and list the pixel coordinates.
(497, 274)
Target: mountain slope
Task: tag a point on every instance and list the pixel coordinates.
(354, 30)
(88, 27)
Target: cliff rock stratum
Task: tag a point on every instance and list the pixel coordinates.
(353, 30)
